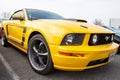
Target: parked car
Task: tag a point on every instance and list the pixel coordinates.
(52, 41)
(1, 20)
(117, 35)
(0, 31)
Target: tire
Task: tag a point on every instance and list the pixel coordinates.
(39, 55)
(4, 39)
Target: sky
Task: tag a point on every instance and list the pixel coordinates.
(79, 9)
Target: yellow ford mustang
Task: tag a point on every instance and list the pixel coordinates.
(54, 42)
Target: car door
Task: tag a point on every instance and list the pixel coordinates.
(16, 28)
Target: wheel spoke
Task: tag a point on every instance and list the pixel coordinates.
(41, 61)
(40, 45)
(41, 54)
(35, 58)
(35, 50)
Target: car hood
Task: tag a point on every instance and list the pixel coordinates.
(76, 27)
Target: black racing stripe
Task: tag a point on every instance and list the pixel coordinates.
(24, 30)
(7, 29)
(23, 39)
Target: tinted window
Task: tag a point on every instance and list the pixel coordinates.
(39, 14)
(18, 12)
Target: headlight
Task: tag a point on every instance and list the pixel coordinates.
(73, 39)
(69, 39)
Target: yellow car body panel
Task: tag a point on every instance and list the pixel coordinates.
(54, 31)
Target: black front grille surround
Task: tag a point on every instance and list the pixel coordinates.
(78, 39)
(102, 39)
(96, 62)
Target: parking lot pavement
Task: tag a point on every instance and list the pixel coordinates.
(18, 61)
(4, 75)
(7, 68)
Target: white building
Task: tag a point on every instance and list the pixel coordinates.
(114, 22)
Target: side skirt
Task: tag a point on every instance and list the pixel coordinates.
(17, 45)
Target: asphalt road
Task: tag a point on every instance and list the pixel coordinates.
(19, 66)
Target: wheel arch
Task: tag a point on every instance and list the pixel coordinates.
(32, 34)
(35, 33)
(2, 28)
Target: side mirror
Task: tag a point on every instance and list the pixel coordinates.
(17, 17)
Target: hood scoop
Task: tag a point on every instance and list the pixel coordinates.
(77, 20)
(83, 26)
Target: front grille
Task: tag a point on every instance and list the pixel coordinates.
(95, 62)
(102, 39)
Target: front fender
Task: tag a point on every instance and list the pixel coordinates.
(52, 35)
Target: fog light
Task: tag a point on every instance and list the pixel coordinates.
(94, 39)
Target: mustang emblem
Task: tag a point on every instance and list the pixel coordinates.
(107, 37)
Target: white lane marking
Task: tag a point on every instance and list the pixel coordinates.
(11, 72)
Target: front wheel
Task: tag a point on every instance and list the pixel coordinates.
(39, 55)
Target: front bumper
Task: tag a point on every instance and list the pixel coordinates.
(77, 63)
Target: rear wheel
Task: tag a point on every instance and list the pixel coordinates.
(4, 39)
(39, 55)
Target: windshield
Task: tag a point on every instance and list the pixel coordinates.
(39, 14)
